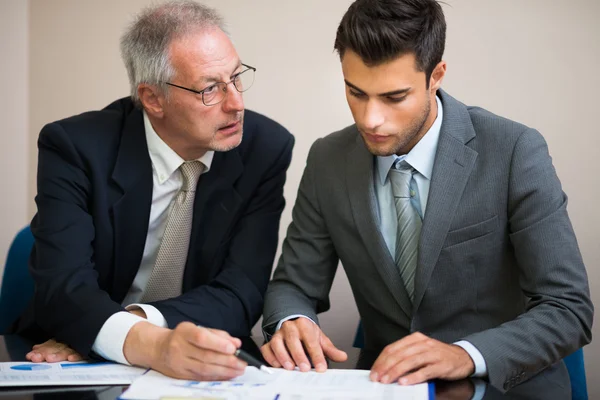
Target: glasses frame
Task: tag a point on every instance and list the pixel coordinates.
(201, 92)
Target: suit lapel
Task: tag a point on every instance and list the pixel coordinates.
(453, 164)
(361, 190)
(214, 207)
(131, 199)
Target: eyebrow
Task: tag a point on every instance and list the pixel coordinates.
(390, 93)
(214, 79)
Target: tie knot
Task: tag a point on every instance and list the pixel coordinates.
(400, 176)
(191, 171)
(402, 165)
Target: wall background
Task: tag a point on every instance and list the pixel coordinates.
(529, 60)
(14, 134)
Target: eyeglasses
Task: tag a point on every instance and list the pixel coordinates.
(215, 93)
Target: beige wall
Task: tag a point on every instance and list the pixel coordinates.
(14, 135)
(529, 60)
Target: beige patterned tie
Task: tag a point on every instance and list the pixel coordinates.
(167, 274)
(409, 225)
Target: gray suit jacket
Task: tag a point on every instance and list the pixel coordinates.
(498, 266)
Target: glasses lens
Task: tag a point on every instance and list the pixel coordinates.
(244, 80)
(214, 94)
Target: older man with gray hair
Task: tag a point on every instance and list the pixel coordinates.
(157, 223)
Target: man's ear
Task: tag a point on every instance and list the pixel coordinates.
(152, 100)
(437, 76)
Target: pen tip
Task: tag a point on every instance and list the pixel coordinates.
(267, 370)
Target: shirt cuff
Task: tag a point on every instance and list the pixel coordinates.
(152, 314)
(480, 367)
(111, 338)
(291, 317)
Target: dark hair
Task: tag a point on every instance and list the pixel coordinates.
(382, 30)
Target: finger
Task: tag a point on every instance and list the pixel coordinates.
(407, 342)
(209, 357)
(409, 365)
(396, 365)
(204, 338)
(281, 352)
(236, 342)
(75, 357)
(269, 356)
(421, 375)
(48, 350)
(394, 353)
(215, 366)
(296, 350)
(332, 352)
(61, 355)
(313, 347)
(34, 356)
(205, 372)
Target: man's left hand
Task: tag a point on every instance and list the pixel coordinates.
(418, 358)
(52, 351)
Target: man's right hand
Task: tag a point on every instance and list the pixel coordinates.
(296, 342)
(186, 352)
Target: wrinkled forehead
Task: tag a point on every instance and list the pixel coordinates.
(204, 56)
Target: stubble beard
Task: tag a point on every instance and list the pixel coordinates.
(402, 140)
(218, 146)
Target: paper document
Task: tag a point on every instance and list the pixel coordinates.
(66, 374)
(282, 385)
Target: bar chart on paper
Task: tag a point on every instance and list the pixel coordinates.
(14, 374)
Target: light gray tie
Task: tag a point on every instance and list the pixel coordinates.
(409, 224)
(167, 275)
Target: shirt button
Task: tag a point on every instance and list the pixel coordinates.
(413, 193)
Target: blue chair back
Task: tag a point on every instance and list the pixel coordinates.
(576, 367)
(574, 362)
(17, 284)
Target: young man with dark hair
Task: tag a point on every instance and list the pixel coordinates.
(450, 223)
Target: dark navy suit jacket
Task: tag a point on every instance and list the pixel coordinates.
(94, 198)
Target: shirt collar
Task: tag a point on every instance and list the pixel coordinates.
(164, 159)
(422, 156)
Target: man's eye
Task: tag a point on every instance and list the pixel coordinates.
(396, 99)
(210, 89)
(357, 94)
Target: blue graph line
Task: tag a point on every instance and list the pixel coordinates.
(30, 367)
(84, 365)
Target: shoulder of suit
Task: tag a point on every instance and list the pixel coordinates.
(95, 134)
(487, 124)
(104, 123)
(338, 141)
(264, 132)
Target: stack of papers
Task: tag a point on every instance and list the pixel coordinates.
(253, 385)
(282, 385)
(14, 374)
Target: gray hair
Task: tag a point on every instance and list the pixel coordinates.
(145, 43)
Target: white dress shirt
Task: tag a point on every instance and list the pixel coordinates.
(421, 158)
(166, 183)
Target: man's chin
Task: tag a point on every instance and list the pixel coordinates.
(379, 149)
(227, 143)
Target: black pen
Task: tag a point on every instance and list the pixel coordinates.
(253, 362)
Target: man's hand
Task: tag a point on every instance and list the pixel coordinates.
(186, 352)
(418, 358)
(52, 351)
(290, 344)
